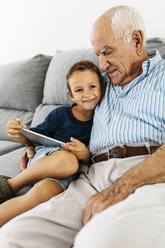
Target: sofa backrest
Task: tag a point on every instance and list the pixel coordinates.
(55, 84)
(21, 89)
(55, 87)
(38, 84)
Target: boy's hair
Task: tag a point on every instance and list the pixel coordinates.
(82, 66)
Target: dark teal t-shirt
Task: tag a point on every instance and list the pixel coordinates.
(61, 124)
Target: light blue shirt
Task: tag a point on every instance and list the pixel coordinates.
(134, 114)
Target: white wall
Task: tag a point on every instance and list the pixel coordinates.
(28, 27)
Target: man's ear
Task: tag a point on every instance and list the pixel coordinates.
(138, 38)
(70, 95)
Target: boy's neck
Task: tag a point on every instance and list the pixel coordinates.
(82, 114)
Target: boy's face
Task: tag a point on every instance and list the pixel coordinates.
(85, 89)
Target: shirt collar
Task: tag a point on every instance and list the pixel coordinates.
(149, 64)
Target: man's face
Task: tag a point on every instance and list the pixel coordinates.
(118, 59)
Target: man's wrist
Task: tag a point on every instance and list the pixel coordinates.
(146, 172)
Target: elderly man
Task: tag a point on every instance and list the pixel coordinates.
(124, 190)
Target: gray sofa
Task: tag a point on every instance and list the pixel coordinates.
(31, 88)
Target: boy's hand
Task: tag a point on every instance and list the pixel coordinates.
(14, 128)
(79, 149)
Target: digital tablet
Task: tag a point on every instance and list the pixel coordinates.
(40, 139)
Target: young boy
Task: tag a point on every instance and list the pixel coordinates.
(57, 166)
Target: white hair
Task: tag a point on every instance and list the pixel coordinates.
(125, 21)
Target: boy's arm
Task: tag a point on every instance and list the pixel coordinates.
(14, 127)
(79, 149)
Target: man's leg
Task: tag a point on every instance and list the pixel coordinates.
(138, 221)
(51, 224)
(41, 192)
(56, 223)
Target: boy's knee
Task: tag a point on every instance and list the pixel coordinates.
(69, 162)
(72, 166)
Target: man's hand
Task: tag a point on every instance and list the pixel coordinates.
(28, 153)
(149, 171)
(103, 200)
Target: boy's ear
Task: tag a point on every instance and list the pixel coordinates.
(70, 95)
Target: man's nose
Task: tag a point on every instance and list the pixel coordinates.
(103, 62)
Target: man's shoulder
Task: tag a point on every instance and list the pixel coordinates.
(158, 68)
(156, 61)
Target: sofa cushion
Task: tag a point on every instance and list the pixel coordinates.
(8, 114)
(8, 146)
(156, 44)
(9, 163)
(9, 166)
(41, 112)
(21, 83)
(55, 84)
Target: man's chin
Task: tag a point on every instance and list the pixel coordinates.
(116, 80)
(120, 83)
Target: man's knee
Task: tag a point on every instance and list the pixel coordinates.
(92, 235)
(102, 232)
(8, 235)
(122, 229)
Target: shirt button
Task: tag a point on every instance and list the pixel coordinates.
(115, 118)
(119, 99)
